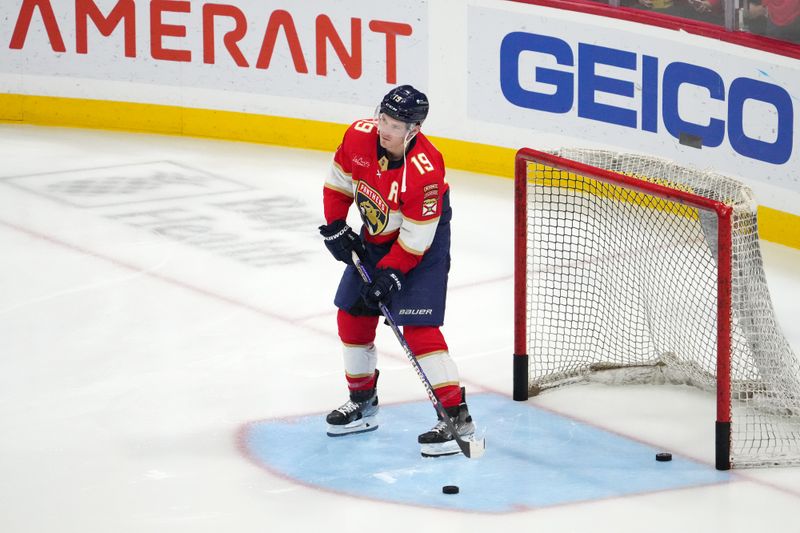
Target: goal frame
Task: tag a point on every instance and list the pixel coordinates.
(724, 214)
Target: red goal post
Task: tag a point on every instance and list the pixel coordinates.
(532, 165)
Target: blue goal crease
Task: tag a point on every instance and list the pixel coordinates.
(534, 458)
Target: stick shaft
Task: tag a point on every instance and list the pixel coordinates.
(440, 410)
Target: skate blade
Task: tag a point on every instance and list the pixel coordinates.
(361, 426)
(440, 449)
(446, 454)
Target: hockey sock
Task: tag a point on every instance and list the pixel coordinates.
(357, 334)
(430, 348)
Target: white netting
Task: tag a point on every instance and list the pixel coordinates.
(622, 280)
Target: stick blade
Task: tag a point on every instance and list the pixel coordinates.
(474, 449)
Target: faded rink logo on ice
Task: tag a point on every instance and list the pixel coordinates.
(212, 213)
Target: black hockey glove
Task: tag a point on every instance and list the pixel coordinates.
(386, 282)
(341, 240)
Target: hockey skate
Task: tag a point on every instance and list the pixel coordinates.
(357, 415)
(439, 440)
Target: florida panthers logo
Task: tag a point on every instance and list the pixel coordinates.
(374, 210)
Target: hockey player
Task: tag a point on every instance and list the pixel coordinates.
(395, 176)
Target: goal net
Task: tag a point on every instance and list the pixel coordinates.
(632, 269)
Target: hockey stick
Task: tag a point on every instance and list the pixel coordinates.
(472, 448)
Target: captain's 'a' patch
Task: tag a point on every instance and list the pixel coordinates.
(430, 206)
(374, 209)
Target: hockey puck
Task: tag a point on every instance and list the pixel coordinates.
(664, 456)
(450, 489)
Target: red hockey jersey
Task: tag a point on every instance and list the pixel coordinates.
(399, 201)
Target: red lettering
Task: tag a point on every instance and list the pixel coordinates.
(392, 30)
(158, 29)
(123, 13)
(326, 32)
(24, 24)
(86, 9)
(281, 19)
(231, 38)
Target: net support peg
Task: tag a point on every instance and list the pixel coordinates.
(520, 377)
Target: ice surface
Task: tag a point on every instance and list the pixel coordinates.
(160, 295)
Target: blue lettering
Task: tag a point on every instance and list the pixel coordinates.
(510, 49)
(561, 98)
(590, 82)
(675, 75)
(650, 94)
(743, 89)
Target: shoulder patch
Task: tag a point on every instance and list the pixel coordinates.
(430, 207)
(430, 191)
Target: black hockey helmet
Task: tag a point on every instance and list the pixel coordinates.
(405, 104)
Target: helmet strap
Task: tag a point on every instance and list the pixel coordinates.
(406, 140)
